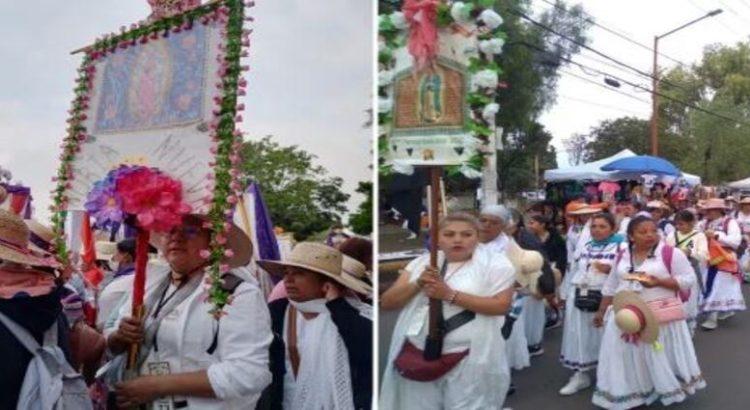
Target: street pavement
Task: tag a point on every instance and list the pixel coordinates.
(724, 356)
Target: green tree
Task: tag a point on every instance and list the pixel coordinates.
(612, 136)
(361, 221)
(300, 195)
(713, 147)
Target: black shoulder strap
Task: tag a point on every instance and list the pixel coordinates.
(458, 320)
(231, 282)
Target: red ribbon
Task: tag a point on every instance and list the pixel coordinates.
(634, 338)
(423, 36)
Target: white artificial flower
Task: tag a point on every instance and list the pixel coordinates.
(385, 77)
(385, 105)
(491, 19)
(489, 112)
(470, 172)
(399, 21)
(461, 12)
(484, 79)
(402, 168)
(493, 46)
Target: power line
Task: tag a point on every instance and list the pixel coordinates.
(615, 32)
(598, 84)
(597, 52)
(596, 104)
(639, 86)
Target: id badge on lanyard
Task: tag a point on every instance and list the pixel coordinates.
(160, 369)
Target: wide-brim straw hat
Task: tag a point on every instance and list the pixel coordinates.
(355, 273)
(745, 200)
(313, 257)
(105, 250)
(585, 210)
(730, 199)
(40, 236)
(656, 205)
(237, 241)
(632, 312)
(14, 243)
(714, 203)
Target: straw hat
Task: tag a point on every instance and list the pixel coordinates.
(656, 205)
(14, 242)
(354, 272)
(714, 203)
(730, 199)
(745, 200)
(40, 236)
(585, 210)
(528, 264)
(105, 250)
(237, 241)
(314, 257)
(634, 317)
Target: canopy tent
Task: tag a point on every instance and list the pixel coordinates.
(741, 184)
(645, 164)
(589, 171)
(592, 171)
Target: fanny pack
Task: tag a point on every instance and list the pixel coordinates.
(667, 309)
(411, 363)
(587, 300)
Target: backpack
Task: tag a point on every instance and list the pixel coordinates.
(667, 252)
(50, 382)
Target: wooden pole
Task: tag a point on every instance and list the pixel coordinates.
(139, 288)
(434, 333)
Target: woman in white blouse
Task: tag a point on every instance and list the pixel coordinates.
(471, 279)
(632, 373)
(580, 343)
(188, 358)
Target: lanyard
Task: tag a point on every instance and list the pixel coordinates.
(163, 300)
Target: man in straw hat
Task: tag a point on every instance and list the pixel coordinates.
(29, 298)
(321, 354)
(722, 295)
(188, 357)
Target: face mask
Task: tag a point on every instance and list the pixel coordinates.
(311, 306)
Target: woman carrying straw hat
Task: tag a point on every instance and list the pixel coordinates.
(581, 337)
(722, 295)
(188, 357)
(646, 363)
(475, 287)
(321, 356)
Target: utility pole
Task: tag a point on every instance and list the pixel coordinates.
(655, 81)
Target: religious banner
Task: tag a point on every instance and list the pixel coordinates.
(152, 130)
(437, 84)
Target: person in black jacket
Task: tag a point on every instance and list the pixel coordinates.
(321, 354)
(30, 297)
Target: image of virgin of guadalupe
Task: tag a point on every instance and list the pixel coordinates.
(430, 97)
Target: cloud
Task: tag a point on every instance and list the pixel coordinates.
(310, 80)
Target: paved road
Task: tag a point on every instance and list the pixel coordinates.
(724, 356)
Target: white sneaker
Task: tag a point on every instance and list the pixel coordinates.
(725, 315)
(579, 381)
(711, 322)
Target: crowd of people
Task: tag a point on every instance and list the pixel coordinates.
(629, 281)
(305, 344)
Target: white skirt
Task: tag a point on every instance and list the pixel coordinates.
(581, 340)
(631, 375)
(726, 294)
(691, 305)
(516, 347)
(534, 319)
